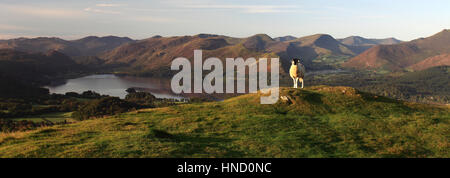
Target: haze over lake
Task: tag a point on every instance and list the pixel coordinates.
(110, 84)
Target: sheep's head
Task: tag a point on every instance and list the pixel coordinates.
(295, 61)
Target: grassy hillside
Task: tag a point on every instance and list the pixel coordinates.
(318, 121)
(50, 117)
(36, 68)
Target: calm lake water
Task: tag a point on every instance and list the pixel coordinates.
(109, 84)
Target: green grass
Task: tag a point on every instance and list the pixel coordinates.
(334, 61)
(52, 117)
(317, 122)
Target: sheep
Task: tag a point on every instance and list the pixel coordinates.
(297, 71)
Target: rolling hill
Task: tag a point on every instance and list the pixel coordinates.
(40, 45)
(88, 46)
(318, 121)
(439, 60)
(324, 44)
(36, 68)
(360, 41)
(93, 45)
(13, 88)
(405, 55)
(22, 74)
(360, 44)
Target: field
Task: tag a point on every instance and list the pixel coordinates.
(318, 121)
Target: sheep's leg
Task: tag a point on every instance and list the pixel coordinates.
(301, 80)
(296, 82)
(293, 81)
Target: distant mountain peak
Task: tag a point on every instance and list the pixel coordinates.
(90, 37)
(317, 39)
(321, 35)
(257, 42)
(109, 37)
(204, 35)
(262, 35)
(285, 38)
(445, 32)
(325, 37)
(361, 41)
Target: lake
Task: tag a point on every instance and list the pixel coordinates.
(110, 84)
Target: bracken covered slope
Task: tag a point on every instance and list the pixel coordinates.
(405, 55)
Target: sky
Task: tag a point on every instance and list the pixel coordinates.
(140, 19)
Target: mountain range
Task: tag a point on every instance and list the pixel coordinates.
(158, 52)
(154, 55)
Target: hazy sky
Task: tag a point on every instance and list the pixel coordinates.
(138, 19)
